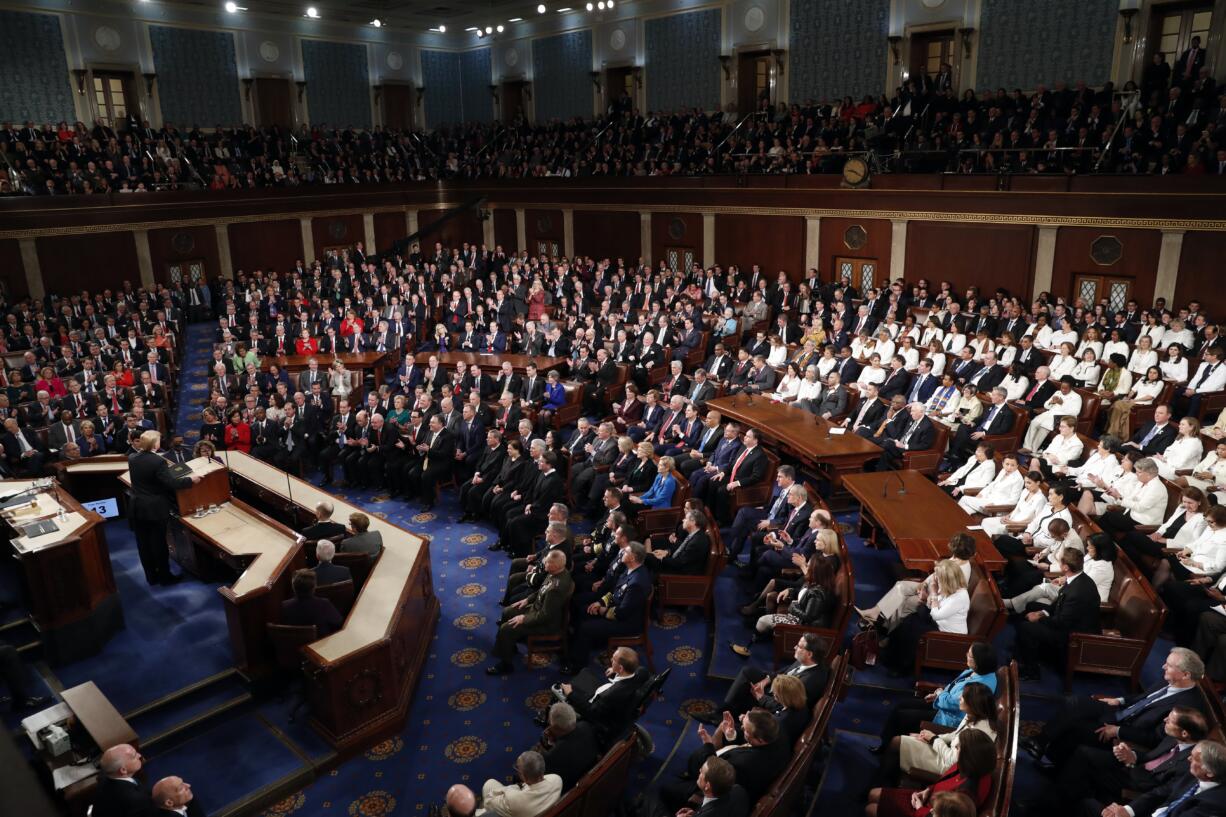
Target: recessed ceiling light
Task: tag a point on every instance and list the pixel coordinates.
(489, 29)
(232, 7)
(500, 29)
(540, 9)
(312, 12)
(516, 20)
(442, 29)
(589, 6)
(377, 23)
(472, 28)
(608, 4)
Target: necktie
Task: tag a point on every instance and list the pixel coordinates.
(72, 434)
(1153, 432)
(737, 464)
(1127, 713)
(1158, 761)
(1203, 376)
(987, 422)
(910, 431)
(1177, 804)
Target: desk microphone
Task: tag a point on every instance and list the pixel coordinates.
(902, 486)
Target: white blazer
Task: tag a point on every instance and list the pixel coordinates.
(1103, 574)
(937, 757)
(1210, 551)
(1180, 455)
(973, 474)
(1189, 533)
(1062, 450)
(1148, 504)
(1024, 511)
(949, 612)
(1106, 468)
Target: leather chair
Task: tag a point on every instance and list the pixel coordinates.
(339, 593)
(682, 590)
(985, 619)
(642, 639)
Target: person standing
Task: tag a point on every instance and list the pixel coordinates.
(153, 489)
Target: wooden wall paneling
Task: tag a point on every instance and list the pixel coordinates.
(544, 227)
(677, 230)
(505, 229)
(95, 261)
(389, 228)
(1200, 273)
(982, 255)
(12, 271)
(183, 244)
(832, 244)
(774, 243)
(608, 234)
(454, 232)
(337, 231)
(268, 245)
(1138, 260)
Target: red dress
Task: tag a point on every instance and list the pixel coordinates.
(536, 305)
(897, 802)
(348, 327)
(238, 437)
(308, 346)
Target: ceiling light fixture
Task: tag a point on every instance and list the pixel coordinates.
(489, 29)
(608, 4)
(564, 9)
(516, 20)
(442, 29)
(541, 9)
(312, 12)
(589, 6)
(500, 29)
(472, 28)
(377, 23)
(231, 7)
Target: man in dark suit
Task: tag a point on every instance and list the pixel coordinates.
(305, 609)
(719, 365)
(704, 446)
(757, 762)
(325, 571)
(608, 703)
(897, 381)
(470, 443)
(24, 453)
(1135, 719)
(118, 793)
(966, 366)
(923, 384)
(990, 375)
(522, 524)
(436, 458)
(323, 527)
(1156, 436)
(1199, 793)
(700, 390)
(542, 613)
(868, 414)
(1103, 773)
(1187, 67)
(690, 554)
(997, 418)
(919, 434)
(172, 797)
(1035, 398)
(749, 468)
(575, 748)
(752, 685)
(153, 493)
(1043, 631)
(619, 613)
(485, 470)
(598, 452)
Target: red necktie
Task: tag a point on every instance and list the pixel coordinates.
(1158, 761)
(1030, 394)
(737, 464)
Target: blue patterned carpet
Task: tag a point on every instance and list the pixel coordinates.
(463, 726)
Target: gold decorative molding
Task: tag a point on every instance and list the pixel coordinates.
(1033, 220)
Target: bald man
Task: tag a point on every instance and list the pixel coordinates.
(461, 802)
(118, 794)
(173, 796)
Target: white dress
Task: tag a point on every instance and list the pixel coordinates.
(1180, 455)
(1022, 514)
(1004, 489)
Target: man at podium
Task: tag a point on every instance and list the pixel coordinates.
(153, 495)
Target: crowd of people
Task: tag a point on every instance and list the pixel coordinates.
(1171, 122)
(638, 353)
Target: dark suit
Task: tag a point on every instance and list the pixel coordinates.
(922, 388)
(689, 557)
(1158, 442)
(153, 495)
(612, 711)
(519, 527)
(897, 382)
(1094, 772)
(423, 475)
(121, 798)
(751, 470)
(627, 608)
(193, 809)
(1074, 610)
(756, 768)
(988, 377)
(311, 612)
(994, 420)
(573, 754)
(1211, 803)
(920, 438)
(328, 573)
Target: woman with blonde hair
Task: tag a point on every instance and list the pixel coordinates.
(903, 599)
(944, 610)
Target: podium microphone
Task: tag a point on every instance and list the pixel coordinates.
(885, 484)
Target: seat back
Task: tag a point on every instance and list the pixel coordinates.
(339, 593)
(650, 691)
(1090, 405)
(1139, 614)
(751, 495)
(359, 564)
(609, 778)
(987, 613)
(287, 643)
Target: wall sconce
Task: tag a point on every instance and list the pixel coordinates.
(378, 89)
(725, 61)
(301, 90)
(779, 54)
(247, 83)
(1128, 14)
(595, 75)
(637, 73)
(895, 41)
(80, 73)
(149, 80)
(966, 42)
(528, 91)
(421, 94)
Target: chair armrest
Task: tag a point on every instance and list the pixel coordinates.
(1172, 551)
(1016, 527)
(996, 510)
(971, 491)
(936, 728)
(926, 687)
(1146, 528)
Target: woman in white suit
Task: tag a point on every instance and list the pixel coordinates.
(1030, 502)
(1004, 489)
(1210, 473)
(1182, 454)
(933, 754)
(977, 473)
(1060, 450)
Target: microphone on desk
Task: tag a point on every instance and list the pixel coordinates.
(902, 486)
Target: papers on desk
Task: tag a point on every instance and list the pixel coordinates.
(1220, 609)
(974, 527)
(835, 431)
(65, 776)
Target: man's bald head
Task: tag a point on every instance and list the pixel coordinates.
(171, 793)
(120, 761)
(461, 802)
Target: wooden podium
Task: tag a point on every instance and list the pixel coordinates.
(212, 489)
(69, 582)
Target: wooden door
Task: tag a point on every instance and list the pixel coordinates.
(189, 272)
(862, 271)
(113, 97)
(679, 258)
(929, 51)
(753, 80)
(1111, 289)
(271, 100)
(619, 90)
(398, 105)
(512, 100)
(1171, 31)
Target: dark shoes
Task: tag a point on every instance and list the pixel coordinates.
(501, 668)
